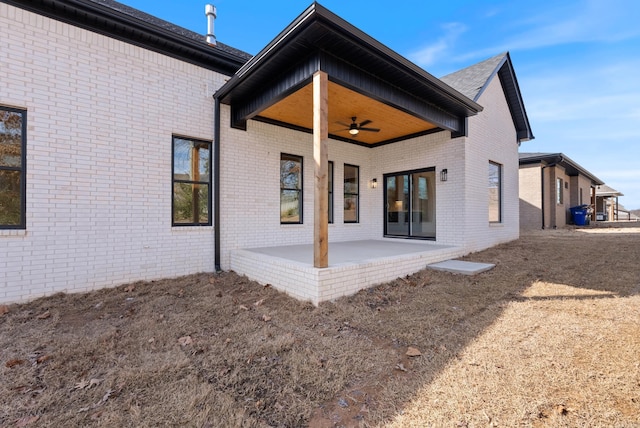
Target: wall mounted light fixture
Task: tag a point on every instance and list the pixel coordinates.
(443, 175)
(374, 183)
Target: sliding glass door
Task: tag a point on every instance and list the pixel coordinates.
(410, 204)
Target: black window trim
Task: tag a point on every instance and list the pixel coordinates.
(207, 183)
(22, 169)
(300, 190)
(330, 188)
(357, 220)
(500, 185)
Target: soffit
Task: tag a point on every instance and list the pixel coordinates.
(394, 124)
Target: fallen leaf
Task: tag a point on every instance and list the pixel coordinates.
(227, 340)
(4, 309)
(259, 302)
(413, 352)
(130, 288)
(185, 340)
(82, 384)
(106, 396)
(43, 359)
(212, 280)
(44, 315)
(23, 422)
(244, 308)
(266, 318)
(401, 367)
(96, 415)
(14, 362)
(181, 292)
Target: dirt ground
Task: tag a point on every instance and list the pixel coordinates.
(549, 337)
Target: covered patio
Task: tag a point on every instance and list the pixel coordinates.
(353, 265)
(324, 77)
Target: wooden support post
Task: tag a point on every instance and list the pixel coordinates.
(321, 170)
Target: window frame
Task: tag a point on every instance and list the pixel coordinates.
(330, 175)
(356, 194)
(22, 169)
(500, 190)
(559, 191)
(207, 183)
(300, 189)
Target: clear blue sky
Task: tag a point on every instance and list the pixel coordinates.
(577, 61)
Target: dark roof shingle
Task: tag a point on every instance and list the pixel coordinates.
(168, 26)
(471, 80)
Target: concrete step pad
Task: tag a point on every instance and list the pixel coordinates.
(459, 266)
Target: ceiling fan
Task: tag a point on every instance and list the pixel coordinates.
(354, 127)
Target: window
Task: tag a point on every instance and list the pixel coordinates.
(330, 186)
(13, 126)
(559, 191)
(495, 192)
(290, 189)
(191, 182)
(351, 190)
(410, 204)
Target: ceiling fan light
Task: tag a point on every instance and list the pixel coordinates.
(354, 131)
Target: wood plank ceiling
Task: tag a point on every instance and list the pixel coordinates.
(344, 103)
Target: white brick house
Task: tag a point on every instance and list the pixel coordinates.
(125, 156)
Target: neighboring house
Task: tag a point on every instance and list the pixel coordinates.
(606, 205)
(136, 150)
(550, 184)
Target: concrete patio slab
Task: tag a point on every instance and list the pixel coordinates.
(353, 265)
(459, 266)
(352, 252)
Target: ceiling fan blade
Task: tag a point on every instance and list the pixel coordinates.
(364, 123)
(343, 124)
(370, 129)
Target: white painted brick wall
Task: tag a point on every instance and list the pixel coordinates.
(100, 117)
(492, 137)
(250, 188)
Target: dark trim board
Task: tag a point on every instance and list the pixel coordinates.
(132, 26)
(348, 140)
(318, 40)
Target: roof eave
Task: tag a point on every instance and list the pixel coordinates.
(551, 159)
(113, 23)
(317, 13)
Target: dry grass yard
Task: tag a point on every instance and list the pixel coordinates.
(549, 338)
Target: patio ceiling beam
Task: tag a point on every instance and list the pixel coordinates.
(321, 170)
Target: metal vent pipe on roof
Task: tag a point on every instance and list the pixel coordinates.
(210, 11)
